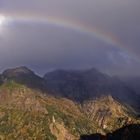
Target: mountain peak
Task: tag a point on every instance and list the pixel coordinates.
(23, 75)
(17, 71)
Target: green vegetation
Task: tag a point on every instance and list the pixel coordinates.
(11, 85)
(76, 126)
(26, 114)
(18, 125)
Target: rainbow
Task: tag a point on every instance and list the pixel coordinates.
(78, 26)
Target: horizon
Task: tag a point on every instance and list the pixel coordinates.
(68, 70)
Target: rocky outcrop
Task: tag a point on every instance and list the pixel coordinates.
(60, 132)
(108, 113)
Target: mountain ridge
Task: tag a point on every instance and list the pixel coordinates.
(31, 111)
(77, 85)
(88, 84)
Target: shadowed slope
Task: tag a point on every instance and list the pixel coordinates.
(130, 132)
(89, 84)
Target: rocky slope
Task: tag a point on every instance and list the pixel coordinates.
(28, 114)
(109, 113)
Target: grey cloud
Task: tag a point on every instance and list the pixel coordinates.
(45, 47)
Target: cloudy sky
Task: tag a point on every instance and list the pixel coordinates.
(75, 34)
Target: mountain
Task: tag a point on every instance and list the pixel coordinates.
(25, 76)
(76, 85)
(31, 107)
(88, 84)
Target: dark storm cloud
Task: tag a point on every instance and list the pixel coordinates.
(47, 47)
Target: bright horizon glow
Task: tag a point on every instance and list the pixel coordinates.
(2, 20)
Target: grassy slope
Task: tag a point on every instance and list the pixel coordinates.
(27, 114)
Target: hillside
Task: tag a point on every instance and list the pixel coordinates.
(27, 114)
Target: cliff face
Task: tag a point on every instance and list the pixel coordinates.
(108, 113)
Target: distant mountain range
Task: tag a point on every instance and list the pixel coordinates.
(77, 85)
(89, 84)
(65, 105)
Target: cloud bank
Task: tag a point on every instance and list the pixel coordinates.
(45, 47)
